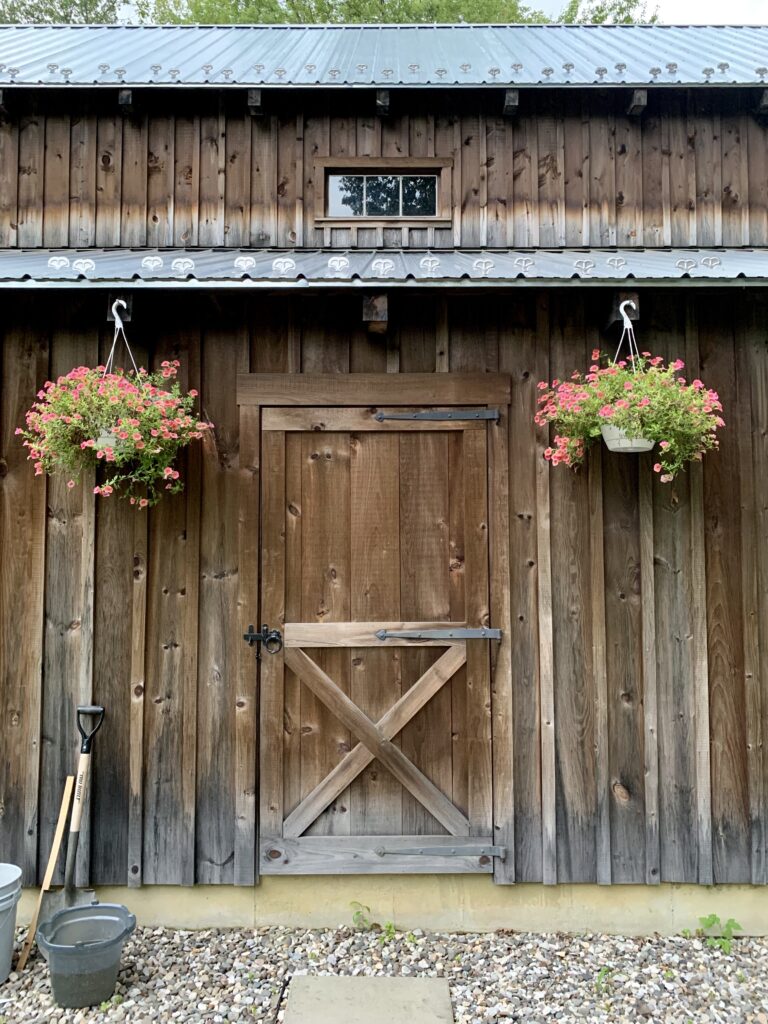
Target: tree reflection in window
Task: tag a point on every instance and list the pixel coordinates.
(382, 195)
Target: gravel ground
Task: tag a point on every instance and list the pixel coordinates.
(211, 977)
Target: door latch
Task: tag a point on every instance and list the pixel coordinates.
(272, 639)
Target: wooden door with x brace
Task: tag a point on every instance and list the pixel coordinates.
(375, 718)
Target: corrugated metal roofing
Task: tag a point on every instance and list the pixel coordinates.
(390, 267)
(383, 55)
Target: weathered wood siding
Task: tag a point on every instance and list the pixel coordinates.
(639, 610)
(197, 170)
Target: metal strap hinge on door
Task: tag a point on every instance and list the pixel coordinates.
(444, 851)
(462, 633)
(440, 414)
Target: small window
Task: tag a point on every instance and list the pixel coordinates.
(382, 195)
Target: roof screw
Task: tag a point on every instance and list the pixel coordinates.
(103, 68)
(601, 72)
(333, 73)
(707, 72)
(362, 67)
(546, 72)
(119, 72)
(174, 72)
(723, 67)
(493, 72)
(227, 73)
(671, 68)
(441, 72)
(65, 71)
(258, 67)
(157, 68)
(387, 72)
(655, 72)
(466, 67)
(51, 67)
(517, 67)
(568, 68)
(279, 72)
(207, 68)
(310, 67)
(621, 68)
(761, 72)
(413, 68)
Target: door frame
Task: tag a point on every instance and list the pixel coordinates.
(257, 391)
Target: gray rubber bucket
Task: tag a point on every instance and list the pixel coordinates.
(10, 894)
(83, 946)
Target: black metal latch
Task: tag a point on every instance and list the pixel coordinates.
(272, 639)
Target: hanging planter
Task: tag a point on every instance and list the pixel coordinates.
(130, 426)
(634, 404)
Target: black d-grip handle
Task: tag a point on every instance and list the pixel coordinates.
(87, 737)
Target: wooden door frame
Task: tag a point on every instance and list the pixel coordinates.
(256, 391)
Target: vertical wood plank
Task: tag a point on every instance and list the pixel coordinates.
(499, 181)
(264, 181)
(602, 179)
(9, 181)
(650, 698)
(186, 193)
(135, 850)
(68, 652)
(629, 182)
(82, 181)
(23, 367)
(576, 171)
(698, 599)
(376, 800)
(682, 173)
(272, 608)
(525, 167)
(56, 181)
(237, 200)
(133, 218)
(225, 354)
(474, 184)
(212, 171)
(599, 667)
(757, 148)
(709, 176)
(735, 169)
(656, 200)
(545, 614)
(551, 191)
(160, 180)
(109, 163)
(288, 186)
(317, 145)
(31, 177)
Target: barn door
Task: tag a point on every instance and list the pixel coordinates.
(375, 718)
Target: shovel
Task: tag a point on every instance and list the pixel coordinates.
(69, 896)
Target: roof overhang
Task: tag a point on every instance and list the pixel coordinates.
(378, 268)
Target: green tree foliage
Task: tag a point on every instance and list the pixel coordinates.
(59, 12)
(305, 12)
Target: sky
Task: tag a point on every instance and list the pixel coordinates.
(695, 12)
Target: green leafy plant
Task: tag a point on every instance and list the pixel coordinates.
(361, 916)
(130, 426)
(716, 934)
(388, 932)
(603, 980)
(643, 397)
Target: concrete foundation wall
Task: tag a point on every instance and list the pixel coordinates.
(462, 903)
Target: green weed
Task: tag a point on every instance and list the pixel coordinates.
(361, 916)
(388, 932)
(604, 980)
(718, 935)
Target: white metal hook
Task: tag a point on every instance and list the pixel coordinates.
(116, 315)
(622, 309)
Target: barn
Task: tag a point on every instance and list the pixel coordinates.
(501, 686)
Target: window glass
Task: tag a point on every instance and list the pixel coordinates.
(420, 196)
(345, 195)
(381, 195)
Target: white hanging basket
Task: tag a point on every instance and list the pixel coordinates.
(616, 440)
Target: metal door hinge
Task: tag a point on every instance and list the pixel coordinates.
(460, 633)
(445, 851)
(272, 639)
(441, 414)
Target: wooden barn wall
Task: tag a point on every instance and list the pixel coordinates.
(640, 610)
(196, 170)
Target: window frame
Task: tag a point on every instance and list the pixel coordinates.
(441, 167)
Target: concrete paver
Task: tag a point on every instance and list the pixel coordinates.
(363, 1000)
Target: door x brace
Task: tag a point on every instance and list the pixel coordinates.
(375, 741)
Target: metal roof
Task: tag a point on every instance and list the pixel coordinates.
(391, 267)
(383, 55)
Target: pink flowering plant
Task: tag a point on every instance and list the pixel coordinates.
(131, 426)
(643, 397)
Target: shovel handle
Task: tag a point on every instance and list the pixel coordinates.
(86, 735)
